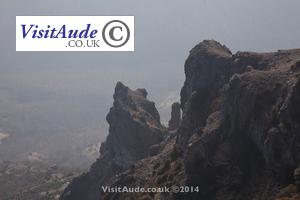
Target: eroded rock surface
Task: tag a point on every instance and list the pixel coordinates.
(239, 134)
(134, 126)
(175, 120)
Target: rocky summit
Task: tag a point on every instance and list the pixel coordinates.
(239, 136)
(134, 126)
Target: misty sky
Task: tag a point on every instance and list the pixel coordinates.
(45, 92)
(165, 30)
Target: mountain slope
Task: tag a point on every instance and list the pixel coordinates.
(239, 134)
(134, 126)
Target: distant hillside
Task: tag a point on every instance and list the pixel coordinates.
(32, 181)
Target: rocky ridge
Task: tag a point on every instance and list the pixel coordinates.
(134, 127)
(238, 138)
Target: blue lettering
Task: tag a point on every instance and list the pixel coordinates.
(23, 30)
(50, 32)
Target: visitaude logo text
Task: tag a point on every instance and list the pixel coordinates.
(75, 33)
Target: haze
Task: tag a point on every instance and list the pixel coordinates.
(53, 101)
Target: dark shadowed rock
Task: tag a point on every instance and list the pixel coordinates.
(252, 139)
(175, 120)
(297, 178)
(207, 69)
(134, 126)
(239, 137)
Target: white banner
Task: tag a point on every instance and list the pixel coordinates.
(75, 33)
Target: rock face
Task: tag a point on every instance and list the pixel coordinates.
(175, 120)
(250, 141)
(297, 178)
(207, 69)
(239, 137)
(134, 126)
